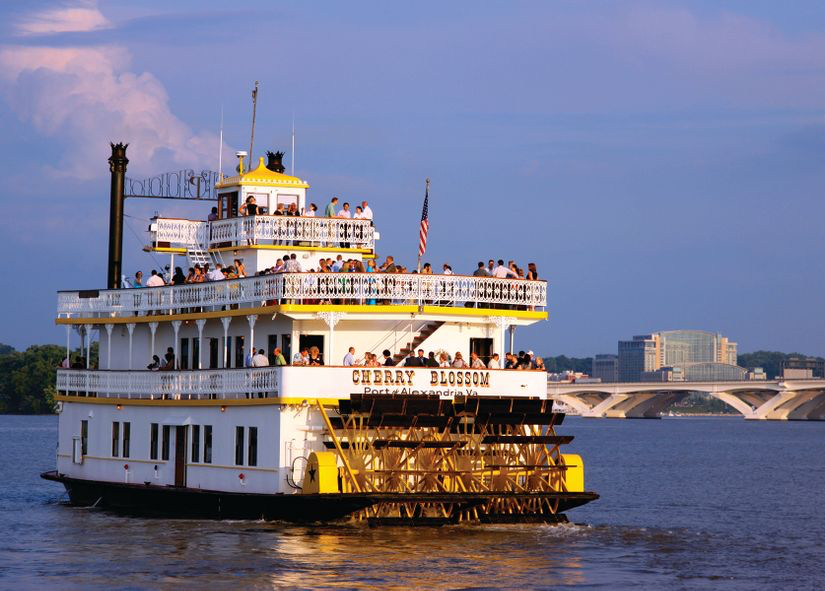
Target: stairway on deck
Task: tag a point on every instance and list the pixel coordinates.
(422, 335)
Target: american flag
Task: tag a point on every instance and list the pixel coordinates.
(425, 223)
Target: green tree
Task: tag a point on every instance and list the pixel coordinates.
(770, 361)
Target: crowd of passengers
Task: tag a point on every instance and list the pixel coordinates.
(291, 264)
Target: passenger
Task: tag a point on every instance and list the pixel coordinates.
(431, 360)
(213, 215)
(250, 208)
(444, 360)
(411, 360)
(459, 362)
(240, 268)
(155, 365)
(494, 362)
(367, 211)
(475, 361)
(260, 359)
(388, 360)
(447, 269)
(216, 274)
(503, 272)
(315, 357)
(349, 358)
(481, 271)
(179, 278)
(331, 210)
(301, 357)
(422, 360)
(138, 282)
(155, 280)
(540, 364)
(279, 357)
(312, 211)
(169, 364)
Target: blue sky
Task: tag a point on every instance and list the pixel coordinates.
(661, 162)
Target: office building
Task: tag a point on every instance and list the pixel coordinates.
(606, 368)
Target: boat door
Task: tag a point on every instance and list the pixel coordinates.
(180, 455)
(483, 348)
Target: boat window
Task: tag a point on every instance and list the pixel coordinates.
(239, 352)
(153, 441)
(207, 444)
(127, 436)
(196, 444)
(164, 446)
(213, 353)
(115, 439)
(239, 437)
(84, 437)
(196, 353)
(253, 446)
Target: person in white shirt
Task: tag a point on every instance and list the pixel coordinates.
(301, 357)
(345, 213)
(349, 358)
(366, 211)
(216, 274)
(293, 265)
(475, 361)
(155, 280)
(259, 359)
(502, 272)
(494, 363)
(448, 270)
(359, 213)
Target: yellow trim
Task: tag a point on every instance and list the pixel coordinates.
(293, 401)
(238, 468)
(289, 247)
(309, 309)
(172, 250)
(169, 317)
(263, 176)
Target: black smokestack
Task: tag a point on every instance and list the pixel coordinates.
(117, 166)
(274, 161)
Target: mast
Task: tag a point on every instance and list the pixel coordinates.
(292, 160)
(254, 109)
(220, 150)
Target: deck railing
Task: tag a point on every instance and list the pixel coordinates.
(309, 288)
(209, 384)
(263, 229)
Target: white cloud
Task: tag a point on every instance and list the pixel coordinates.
(88, 96)
(81, 17)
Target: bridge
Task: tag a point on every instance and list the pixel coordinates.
(773, 400)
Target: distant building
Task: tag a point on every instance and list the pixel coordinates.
(693, 352)
(801, 368)
(606, 368)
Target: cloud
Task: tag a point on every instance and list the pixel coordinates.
(80, 18)
(88, 96)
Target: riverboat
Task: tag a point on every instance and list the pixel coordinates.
(215, 437)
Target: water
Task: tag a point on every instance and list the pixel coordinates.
(715, 503)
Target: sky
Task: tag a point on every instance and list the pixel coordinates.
(663, 163)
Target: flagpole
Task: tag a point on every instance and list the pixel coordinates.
(426, 193)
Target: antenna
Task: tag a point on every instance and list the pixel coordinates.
(254, 110)
(220, 150)
(292, 160)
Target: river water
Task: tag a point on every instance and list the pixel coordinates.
(687, 503)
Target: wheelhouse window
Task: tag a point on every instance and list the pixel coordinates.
(84, 437)
(115, 439)
(196, 444)
(164, 447)
(207, 444)
(252, 456)
(239, 445)
(127, 437)
(153, 441)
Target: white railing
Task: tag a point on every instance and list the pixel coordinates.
(259, 382)
(297, 382)
(264, 229)
(310, 288)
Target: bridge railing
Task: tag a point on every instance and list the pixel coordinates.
(308, 288)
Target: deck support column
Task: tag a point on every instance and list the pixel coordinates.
(251, 319)
(501, 323)
(331, 319)
(512, 338)
(109, 328)
(131, 328)
(87, 332)
(68, 345)
(153, 327)
(176, 327)
(225, 321)
(201, 322)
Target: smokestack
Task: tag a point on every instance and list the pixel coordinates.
(275, 161)
(117, 166)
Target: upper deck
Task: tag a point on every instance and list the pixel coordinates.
(448, 294)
